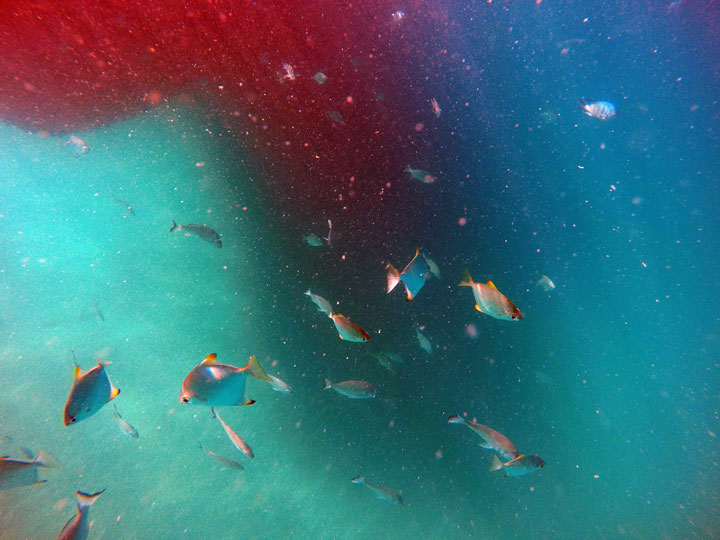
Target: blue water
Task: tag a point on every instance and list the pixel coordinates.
(612, 377)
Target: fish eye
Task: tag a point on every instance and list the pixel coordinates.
(185, 400)
(73, 419)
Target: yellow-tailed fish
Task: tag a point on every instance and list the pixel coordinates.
(89, 393)
(18, 472)
(521, 465)
(213, 384)
(352, 389)
(201, 231)
(381, 492)
(226, 462)
(322, 304)
(236, 439)
(413, 277)
(348, 330)
(78, 526)
(125, 426)
(489, 300)
(424, 342)
(492, 440)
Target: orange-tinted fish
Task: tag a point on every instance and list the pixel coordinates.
(521, 465)
(348, 330)
(89, 393)
(237, 441)
(213, 384)
(492, 440)
(435, 107)
(78, 527)
(489, 300)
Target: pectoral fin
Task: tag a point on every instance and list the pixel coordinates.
(478, 308)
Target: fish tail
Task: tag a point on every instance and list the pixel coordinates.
(496, 464)
(456, 419)
(46, 459)
(358, 480)
(466, 280)
(255, 370)
(84, 500)
(327, 383)
(393, 277)
(174, 226)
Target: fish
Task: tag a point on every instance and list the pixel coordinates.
(413, 277)
(201, 231)
(322, 304)
(383, 360)
(424, 342)
(19, 473)
(381, 492)
(421, 175)
(98, 313)
(236, 439)
(77, 144)
(519, 466)
(602, 110)
(90, 392)
(492, 440)
(125, 426)
(434, 268)
(397, 16)
(546, 283)
(313, 240)
(78, 527)
(335, 116)
(352, 389)
(435, 107)
(125, 204)
(288, 72)
(227, 462)
(348, 330)
(213, 384)
(395, 357)
(320, 77)
(279, 385)
(489, 300)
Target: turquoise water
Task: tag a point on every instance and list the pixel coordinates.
(612, 377)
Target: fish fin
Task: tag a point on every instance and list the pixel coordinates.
(174, 226)
(466, 280)
(308, 292)
(84, 499)
(393, 277)
(113, 392)
(496, 464)
(214, 415)
(209, 359)
(456, 419)
(327, 383)
(358, 480)
(491, 284)
(255, 370)
(247, 402)
(78, 372)
(478, 308)
(46, 459)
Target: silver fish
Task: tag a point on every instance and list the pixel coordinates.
(348, 330)
(125, 426)
(320, 77)
(546, 283)
(89, 393)
(521, 465)
(352, 389)
(227, 462)
(18, 473)
(413, 277)
(421, 175)
(78, 527)
(384, 360)
(381, 492)
(201, 231)
(213, 384)
(236, 439)
(489, 300)
(279, 385)
(602, 110)
(322, 304)
(424, 342)
(492, 440)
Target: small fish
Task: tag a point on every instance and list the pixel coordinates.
(435, 107)
(201, 231)
(98, 313)
(213, 384)
(89, 393)
(395, 357)
(397, 16)
(348, 330)
(18, 472)
(489, 300)
(236, 439)
(352, 389)
(546, 283)
(322, 304)
(227, 462)
(288, 72)
(381, 492)
(413, 277)
(424, 342)
(320, 77)
(518, 466)
(335, 116)
(315, 241)
(421, 175)
(492, 440)
(125, 426)
(78, 527)
(125, 205)
(602, 110)
(383, 360)
(279, 385)
(77, 144)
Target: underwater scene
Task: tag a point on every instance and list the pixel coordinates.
(374, 270)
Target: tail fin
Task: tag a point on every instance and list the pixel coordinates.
(174, 226)
(328, 238)
(255, 370)
(46, 459)
(358, 480)
(84, 500)
(393, 277)
(456, 419)
(466, 280)
(327, 383)
(496, 464)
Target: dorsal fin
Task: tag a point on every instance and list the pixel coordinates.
(78, 372)
(210, 359)
(491, 284)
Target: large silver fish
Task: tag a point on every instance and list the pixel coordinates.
(381, 492)
(351, 389)
(489, 300)
(213, 384)
(18, 473)
(521, 465)
(492, 440)
(78, 526)
(89, 393)
(201, 231)
(413, 277)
